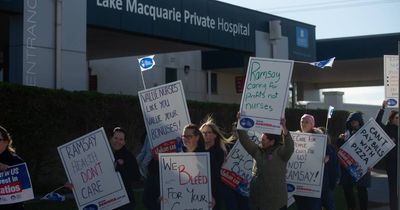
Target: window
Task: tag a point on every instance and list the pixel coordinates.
(171, 75)
(214, 83)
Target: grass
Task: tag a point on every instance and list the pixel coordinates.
(70, 204)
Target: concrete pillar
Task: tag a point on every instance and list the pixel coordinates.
(334, 98)
(33, 45)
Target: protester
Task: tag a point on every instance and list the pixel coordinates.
(268, 189)
(8, 157)
(192, 139)
(307, 125)
(353, 123)
(391, 128)
(233, 199)
(125, 164)
(331, 174)
(215, 145)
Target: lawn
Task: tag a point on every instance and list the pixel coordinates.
(69, 204)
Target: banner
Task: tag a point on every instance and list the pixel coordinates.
(165, 114)
(265, 94)
(185, 180)
(364, 149)
(89, 164)
(15, 185)
(236, 172)
(391, 80)
(305, 169)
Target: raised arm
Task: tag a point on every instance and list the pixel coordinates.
(287, 149)
(248, 145)
(379, 115)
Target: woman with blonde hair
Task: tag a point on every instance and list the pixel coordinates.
(215, 144)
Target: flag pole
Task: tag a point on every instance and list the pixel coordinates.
(56, 189)
(301, 62)
(144, 84)
(327, 121)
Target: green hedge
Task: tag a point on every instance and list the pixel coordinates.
(40, 120)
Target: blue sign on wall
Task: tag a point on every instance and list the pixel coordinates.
(301, 37)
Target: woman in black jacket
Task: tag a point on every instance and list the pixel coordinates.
(391, 129)
(125, 164)
(8, 157)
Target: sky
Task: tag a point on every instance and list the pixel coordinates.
(338, 18)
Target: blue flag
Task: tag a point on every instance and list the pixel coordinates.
(53, 196)
(330, 111)
(324, 63)
(146, 63)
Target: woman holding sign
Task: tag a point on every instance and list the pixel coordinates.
(268, 189)
(353, 123)
(192, 139)
(8, 157)
(125, 164)
(391, 128)
(215, 145)
(307, 125)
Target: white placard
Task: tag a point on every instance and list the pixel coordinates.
(236, 172)
(364, 149)
(391, 80)
(15, 185)
(165, 114)
(305, 169)
(89, 164)
(265, 94)
(185, 180)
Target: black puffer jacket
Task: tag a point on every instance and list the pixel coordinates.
(129, 170)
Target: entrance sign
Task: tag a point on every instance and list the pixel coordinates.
(305, 168)
(185, 180)
(391, 80)
(364, 149)
(15, 185)
(89, 164)
(165, 114)
(236, 172)
(265, 94)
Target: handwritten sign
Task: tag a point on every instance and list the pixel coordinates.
(89, 164)
(15, 185)
(236, 172)
(165, 114)
(391, 80)
(364, 149)
(265, 94)
(305, 169)
(185, 180)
